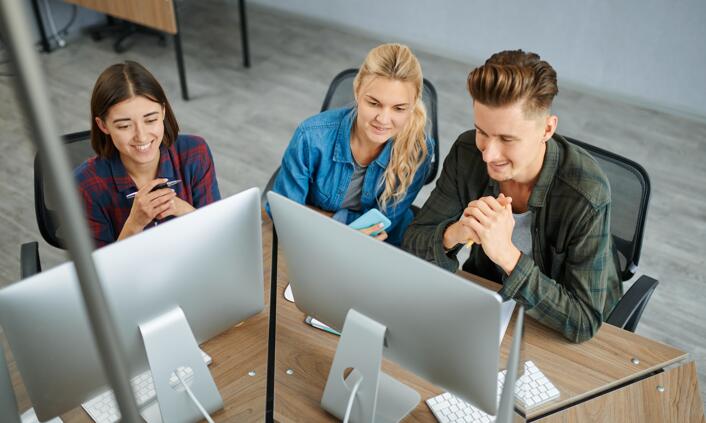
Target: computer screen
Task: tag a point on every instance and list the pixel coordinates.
(440, 326)
(208, 263)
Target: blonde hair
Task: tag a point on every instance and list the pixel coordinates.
(397, 62)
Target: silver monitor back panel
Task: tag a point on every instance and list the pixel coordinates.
(440, 326)
(208, 262)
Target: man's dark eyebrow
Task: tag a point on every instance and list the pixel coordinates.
(501, 135)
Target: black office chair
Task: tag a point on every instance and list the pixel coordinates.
(340, 94)
(78, 147)
(630, 195)
(125, 32)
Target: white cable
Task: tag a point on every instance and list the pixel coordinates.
(52, 25)
(350, 400)
(193, 398)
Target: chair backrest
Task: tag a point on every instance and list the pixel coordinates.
(78, 147)
(340, 94)
(630, 195)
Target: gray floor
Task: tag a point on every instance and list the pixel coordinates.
(248, 115)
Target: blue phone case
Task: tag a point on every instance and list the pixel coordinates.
(370, 218)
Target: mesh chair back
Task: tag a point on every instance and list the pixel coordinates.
(630, 195)
(78, 147)
(340, 94)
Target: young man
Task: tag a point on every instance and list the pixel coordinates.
(536, 208)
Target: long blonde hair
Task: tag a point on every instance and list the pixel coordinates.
(397, 62)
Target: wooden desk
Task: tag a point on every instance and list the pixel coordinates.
(235, 353)
(598, 380)
(156, 14)
(580, 371)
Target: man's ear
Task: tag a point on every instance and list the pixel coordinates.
(102, 126)
(550, 125)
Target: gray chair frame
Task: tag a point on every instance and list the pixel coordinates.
(627, 313)
(47, 218)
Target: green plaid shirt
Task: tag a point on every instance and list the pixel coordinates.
(571, 282)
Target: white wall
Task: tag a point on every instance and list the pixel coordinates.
(650, 52)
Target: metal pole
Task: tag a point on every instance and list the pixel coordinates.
(270, 392)
(180, 56)
(507, 399)
(8, 403)
(244, 33)
(33, 93)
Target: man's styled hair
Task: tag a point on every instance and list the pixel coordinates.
(511, 76)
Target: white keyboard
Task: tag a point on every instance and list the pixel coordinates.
(532, 389)
(104, 409)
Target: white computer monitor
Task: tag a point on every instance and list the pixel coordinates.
(440, 326)
(206, 266)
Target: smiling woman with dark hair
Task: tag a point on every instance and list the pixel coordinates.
(136, 139)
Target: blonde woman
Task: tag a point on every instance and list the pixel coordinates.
(344, 162)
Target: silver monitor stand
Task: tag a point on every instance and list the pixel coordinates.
(379, 397)
(382, 398)
(171, 347)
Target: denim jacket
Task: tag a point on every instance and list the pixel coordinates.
(318, 165)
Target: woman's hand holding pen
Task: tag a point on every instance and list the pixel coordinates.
(148, 205)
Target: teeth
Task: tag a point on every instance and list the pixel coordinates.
(142, 147)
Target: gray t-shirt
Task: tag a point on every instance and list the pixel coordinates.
(521, 235)
(355, 189)
(522, 232)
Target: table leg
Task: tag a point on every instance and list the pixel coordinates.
(180, 57)
(244, 33)
(40, 24)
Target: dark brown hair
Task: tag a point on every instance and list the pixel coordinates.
(511, 76)
(120, 82)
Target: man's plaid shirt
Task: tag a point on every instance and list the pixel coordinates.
(571, 282)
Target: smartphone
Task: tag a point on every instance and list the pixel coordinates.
(370, 218)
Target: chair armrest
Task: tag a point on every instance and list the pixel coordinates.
(628, 311)
(29, 259)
